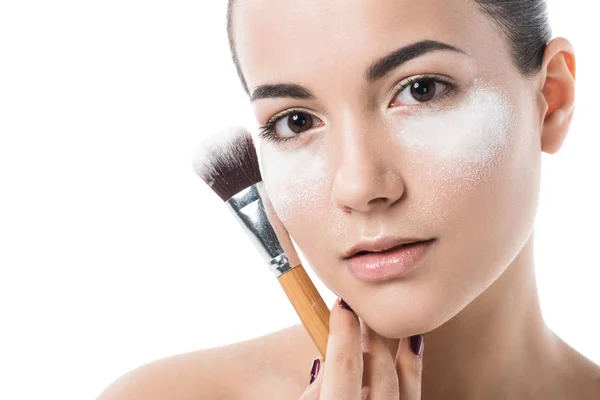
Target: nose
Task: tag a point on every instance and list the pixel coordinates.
(366, 176)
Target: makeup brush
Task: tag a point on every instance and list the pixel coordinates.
(229, 165)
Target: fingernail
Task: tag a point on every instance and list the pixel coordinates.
(345, 305)
(416, 344)
(314, 370)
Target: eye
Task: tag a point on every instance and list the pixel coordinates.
(290, 124)
(421, 90)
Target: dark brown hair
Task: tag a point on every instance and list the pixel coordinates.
(524, 22)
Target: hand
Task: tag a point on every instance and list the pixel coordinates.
(364, 365)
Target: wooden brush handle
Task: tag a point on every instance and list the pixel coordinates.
(309, 305)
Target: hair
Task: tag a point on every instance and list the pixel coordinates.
(524, 23)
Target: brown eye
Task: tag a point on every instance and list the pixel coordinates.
(294, 123)
(420, 91)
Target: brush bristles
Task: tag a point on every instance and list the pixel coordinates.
(228, 162)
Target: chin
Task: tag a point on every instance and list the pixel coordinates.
(402, 320)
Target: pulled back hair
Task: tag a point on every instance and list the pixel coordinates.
(524, 23)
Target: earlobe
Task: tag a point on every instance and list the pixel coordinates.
(558, 92)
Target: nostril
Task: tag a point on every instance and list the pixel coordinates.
(379, 200)
(347, 209)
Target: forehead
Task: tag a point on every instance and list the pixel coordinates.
(289, 40)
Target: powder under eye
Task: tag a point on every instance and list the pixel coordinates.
(451, 150)
(295, 181)
(456, 149)
(475, 132)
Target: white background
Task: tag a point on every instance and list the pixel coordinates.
(113, 253)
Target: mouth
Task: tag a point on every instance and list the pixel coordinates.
(387, 259)
(383, 246)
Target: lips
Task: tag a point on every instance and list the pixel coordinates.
(381, 246)
(387, 258)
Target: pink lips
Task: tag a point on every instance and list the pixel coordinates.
(386, 258)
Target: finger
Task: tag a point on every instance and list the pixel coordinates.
(409, 367)
(380, 380)
(342, 375)
(313, 391)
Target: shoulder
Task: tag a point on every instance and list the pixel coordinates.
(274, 365)
(576, 376)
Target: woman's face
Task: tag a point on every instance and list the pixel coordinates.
(453, 156)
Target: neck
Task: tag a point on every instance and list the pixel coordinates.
(497, 347)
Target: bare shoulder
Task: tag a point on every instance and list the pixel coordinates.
(586, 378)
(271, 366)
(582, 375)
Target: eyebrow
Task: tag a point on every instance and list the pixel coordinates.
(377, 70)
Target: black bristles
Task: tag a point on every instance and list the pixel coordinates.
(228, 164)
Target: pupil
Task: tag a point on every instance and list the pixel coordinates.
(423, 90)
(298, 121)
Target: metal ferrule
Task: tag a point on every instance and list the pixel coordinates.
(249, 210)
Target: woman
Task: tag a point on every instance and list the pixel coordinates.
(400, 144)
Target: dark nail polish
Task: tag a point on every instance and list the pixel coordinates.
(345, 305)
(416, 344)
(314, 370)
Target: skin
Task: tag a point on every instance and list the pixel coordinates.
(474, 296)
(352, 176)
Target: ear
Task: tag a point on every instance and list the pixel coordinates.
(558, 92)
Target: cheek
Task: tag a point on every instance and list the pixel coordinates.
(455, 152)
(472, 135)
(295, 182)
(482, 175)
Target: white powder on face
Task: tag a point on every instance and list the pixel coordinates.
(455, 150)
(475, 132)
(298, 183)
(294, 180)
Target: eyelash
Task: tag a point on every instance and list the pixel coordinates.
(267, 131)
